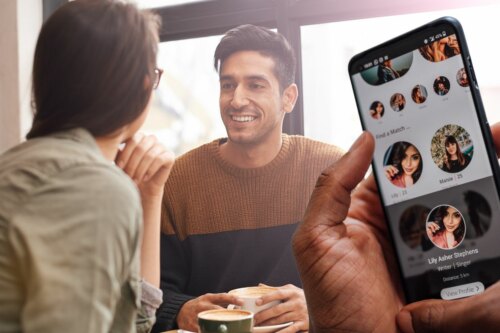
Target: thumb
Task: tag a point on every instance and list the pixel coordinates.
(439, 316)
(330, 199)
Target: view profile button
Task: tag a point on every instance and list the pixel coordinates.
(462, 291)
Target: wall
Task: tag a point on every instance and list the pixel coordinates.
(20, 22)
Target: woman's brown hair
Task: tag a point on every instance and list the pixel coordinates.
(94, 67)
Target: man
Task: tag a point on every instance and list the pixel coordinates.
(349, 270)
(232, 205)
(386, 73)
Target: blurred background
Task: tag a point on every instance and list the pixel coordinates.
(324, 33)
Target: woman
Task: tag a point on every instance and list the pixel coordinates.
(377, 110)
(454, 160)
(419, 94)
(405, 165)
(398, 102)
(70, 219)
(446, 228)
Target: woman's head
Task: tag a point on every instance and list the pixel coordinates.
(450, 220)
(407, 159)
(453, 151)
(377, 110)
(94, 67)
(418, 94)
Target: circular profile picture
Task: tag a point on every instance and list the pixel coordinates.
(478, 214)
(452, 148)
(462, 78)
(419, 94)
(441, 85)
(412, 227)
(377, 110)
(398, 102)
(402, 164)
(445, 227)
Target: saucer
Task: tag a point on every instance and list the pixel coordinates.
(270, 329)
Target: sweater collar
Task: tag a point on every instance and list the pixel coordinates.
(275, 164)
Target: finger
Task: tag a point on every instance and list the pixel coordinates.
(147, 161)
(223, 299)
(285, 317)
(331, 197)
(160, 168)
(272, 312)
(124, 155)
(138, 154)
(495, 131)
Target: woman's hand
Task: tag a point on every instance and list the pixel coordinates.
(390, 171)
(432, 227)
(147, 162)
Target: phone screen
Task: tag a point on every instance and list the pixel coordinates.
(418, 97)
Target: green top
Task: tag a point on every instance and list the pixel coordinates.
(70, 224)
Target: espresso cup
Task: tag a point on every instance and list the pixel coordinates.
(250, 294)
(225, 321)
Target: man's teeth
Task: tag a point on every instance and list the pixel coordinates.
(243, 118)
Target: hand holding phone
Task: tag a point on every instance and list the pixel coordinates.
(434, 160)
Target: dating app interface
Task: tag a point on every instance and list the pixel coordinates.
(432, 167)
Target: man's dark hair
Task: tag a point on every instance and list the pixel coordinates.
(267, 42)
(91, 63)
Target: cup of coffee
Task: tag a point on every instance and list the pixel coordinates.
(225, 321)
(250, 294)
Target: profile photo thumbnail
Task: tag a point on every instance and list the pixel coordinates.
(377, 110)
(452, 148)
(419, 94)
(462, 78)
(441, 85)
(398, 102)
(402, 164)
(445, 227)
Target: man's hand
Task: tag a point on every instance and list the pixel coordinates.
(478, 313)
(293, 308)
(187, 319)
(346, 265)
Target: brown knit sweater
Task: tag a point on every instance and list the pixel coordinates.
(226, 227)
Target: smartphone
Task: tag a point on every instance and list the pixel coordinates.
(434, 160)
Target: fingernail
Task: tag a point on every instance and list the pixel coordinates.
(358, 142)
(258, 301)
(404, 322)
(120, 164)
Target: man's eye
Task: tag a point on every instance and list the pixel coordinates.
(256, 86)
(226, 86)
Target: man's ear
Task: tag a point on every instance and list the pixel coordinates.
(289, 97)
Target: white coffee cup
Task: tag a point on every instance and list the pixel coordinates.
(250, 294)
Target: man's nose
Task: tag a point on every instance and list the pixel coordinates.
(240, 98)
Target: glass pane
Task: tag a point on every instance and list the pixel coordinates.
(330, 112)
(185, 109)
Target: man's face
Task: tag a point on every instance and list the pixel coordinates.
(251, 104)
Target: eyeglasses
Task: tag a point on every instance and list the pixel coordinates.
(157, 78)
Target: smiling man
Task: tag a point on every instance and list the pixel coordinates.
(231, 206)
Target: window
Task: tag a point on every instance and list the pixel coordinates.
(185, 109)
(330, 112)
